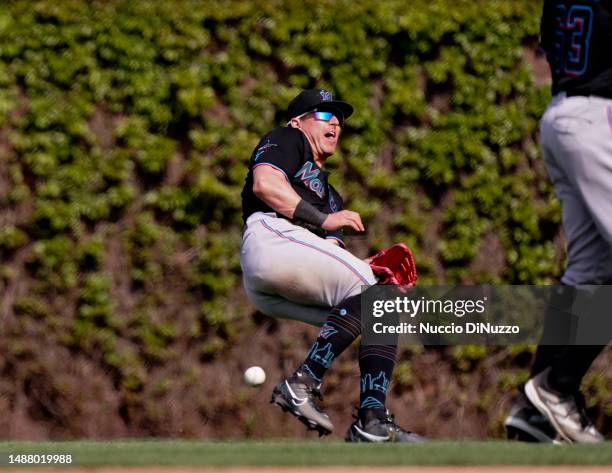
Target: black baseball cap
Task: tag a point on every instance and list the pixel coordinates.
(320, 99)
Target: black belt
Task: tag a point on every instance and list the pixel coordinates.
(308, 226)
(605, 95)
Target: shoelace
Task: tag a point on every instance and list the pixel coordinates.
(311, 388)
(390, 419)
(578, 407)
(315, 392)
(581, 409)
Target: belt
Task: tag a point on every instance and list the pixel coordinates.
(605, 95)
(308, 226)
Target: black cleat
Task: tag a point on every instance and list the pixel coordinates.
(297, 395)
(377, 426)
(526, 424)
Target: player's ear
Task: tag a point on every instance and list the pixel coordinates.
(295, 123)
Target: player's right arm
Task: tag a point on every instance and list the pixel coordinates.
(277, 157)
(271, 186)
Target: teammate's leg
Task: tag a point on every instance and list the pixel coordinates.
(577, 148)
(577, 145)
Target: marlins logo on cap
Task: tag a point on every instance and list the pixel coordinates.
(311, 99)
(325, 95)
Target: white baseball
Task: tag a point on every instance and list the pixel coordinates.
(255, 376)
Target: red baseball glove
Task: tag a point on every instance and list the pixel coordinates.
(394, 265)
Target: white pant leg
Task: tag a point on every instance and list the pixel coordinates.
(576, 135)
(279, 307)
(284, 260)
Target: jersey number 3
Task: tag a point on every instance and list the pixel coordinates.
(573, 35)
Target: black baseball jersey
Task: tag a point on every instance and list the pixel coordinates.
(288, 151)
(577, 38)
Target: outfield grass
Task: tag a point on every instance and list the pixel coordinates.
(279, 453)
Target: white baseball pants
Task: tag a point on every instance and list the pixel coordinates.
(576, 136)
(289, 272)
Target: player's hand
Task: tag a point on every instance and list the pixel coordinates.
(344, 218)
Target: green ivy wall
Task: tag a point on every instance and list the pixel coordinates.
(125, 129)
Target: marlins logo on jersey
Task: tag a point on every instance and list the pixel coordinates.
(263, 148)
(309, 177)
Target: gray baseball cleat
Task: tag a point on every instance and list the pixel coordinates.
(297, 395)
(566, 412)
(525, 423)
(377, 426)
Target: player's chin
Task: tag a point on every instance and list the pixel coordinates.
(329, 148)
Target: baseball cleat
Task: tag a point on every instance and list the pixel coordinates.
(377, 426)
(297, 395)
(566, 412)
(525, 423)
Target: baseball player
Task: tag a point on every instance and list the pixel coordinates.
(576, 140)
(295, 264)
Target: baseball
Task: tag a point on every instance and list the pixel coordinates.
(255, 376)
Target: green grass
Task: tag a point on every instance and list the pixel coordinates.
(205, 453)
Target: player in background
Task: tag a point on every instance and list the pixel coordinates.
(576, 140)
(295, 265)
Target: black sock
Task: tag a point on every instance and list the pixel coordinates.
(570, 367)
(544, 357)
(556, 332)
(569, 363)
(376, 363)
(342, 327)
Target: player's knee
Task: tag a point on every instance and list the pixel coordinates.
(268, 279)
(256, 274)
(351, 307)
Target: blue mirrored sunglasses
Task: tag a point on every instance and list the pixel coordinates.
(323, 116)
(327, 116)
